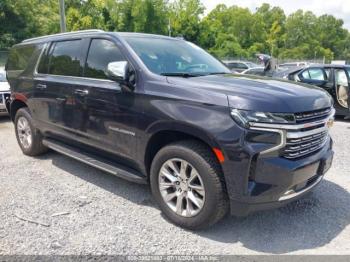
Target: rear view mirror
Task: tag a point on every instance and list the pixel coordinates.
(117, 70)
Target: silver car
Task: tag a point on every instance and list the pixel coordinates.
(4, 92)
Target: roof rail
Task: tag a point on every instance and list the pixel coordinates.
(63, 34)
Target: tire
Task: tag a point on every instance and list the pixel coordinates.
(26, 131)
(212, 194)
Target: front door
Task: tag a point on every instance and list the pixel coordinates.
(104, 116)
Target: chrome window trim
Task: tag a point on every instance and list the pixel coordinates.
(77, 77)
(39, 59)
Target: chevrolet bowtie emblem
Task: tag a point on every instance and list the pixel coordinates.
(330, 123)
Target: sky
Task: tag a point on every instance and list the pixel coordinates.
(337, 8)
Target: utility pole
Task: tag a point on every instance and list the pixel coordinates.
(169, 27)
(63, 17)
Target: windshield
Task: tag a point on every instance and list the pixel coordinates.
(348, 69)
(174, 57)
(3, 76)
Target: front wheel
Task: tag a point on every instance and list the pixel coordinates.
(187, 183)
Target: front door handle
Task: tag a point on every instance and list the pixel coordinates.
(81, 92)
(41, 86)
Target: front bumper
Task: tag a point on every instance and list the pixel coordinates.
(258, 178)
(280, 181)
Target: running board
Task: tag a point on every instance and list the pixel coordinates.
(95, 161)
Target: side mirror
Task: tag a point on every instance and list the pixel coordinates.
(118, 70)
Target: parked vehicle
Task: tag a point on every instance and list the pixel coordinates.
(239, 66)
(4, 92)
(293, 64)
(335, 79)
(159, 110)
(259, 71)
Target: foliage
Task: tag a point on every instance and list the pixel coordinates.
(226, 31)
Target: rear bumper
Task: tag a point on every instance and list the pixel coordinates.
(268, 182)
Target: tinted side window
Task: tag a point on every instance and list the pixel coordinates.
(101, 53)
(66, 58)
(19, 57)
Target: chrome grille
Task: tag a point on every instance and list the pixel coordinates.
(307, 136)
(303, 146)
(312, 115)
(312, 137)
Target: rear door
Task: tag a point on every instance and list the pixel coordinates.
(316, 76)
(58, 70)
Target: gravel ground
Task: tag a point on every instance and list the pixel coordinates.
(85, 211)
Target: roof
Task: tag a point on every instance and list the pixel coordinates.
(330, 65)
(67, 34)
(60, 36)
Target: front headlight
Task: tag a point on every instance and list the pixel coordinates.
(244, 117)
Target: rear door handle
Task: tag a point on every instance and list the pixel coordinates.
(81, 92)
(41, 86)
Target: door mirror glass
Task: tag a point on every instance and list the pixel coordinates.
(117, 70)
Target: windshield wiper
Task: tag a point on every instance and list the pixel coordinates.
(218, 73)
(182, 74)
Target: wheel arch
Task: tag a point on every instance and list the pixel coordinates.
(15, 106)
(169, 134)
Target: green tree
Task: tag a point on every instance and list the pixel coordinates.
(274, 20)
(233, 31)
(185, 19)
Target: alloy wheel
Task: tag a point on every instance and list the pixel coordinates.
(24, 132)
(181, 187)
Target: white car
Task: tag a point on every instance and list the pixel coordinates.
(4, 92)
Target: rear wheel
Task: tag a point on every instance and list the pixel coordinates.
(187, 183)
(28, 137)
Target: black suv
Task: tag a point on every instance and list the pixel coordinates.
(159, 110)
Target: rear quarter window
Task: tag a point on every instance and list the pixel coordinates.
(22, 60)
(19, 57)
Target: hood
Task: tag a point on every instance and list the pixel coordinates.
(260, 94)
(4, 86)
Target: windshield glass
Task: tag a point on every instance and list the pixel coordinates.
(2, 76)
(170, 56)
(348, 69)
